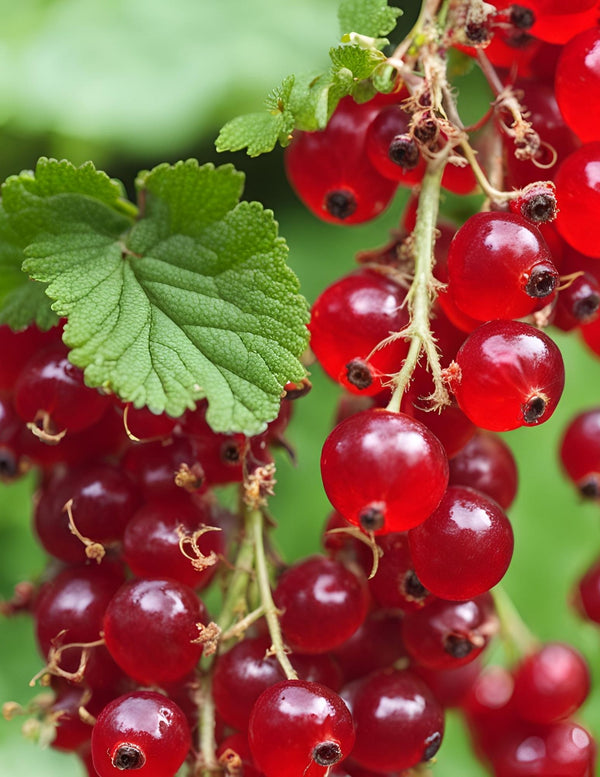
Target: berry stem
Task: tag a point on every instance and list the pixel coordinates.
(422, 291)
(208, 744)
(254, 522)
(517, 638)
(235, 600)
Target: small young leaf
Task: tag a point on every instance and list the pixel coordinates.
(194, 300)
(361, 62)
(368, 17)
(259, 132)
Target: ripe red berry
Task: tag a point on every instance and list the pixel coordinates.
(580, 452)
(465, 546)
(349, 320)
(331, 172)
(446, 635)
(487, 464)
(322, 604)
(577, 84)
(578, 193)
(383, 471)
(551, 683)
(589, 593)
(511, 375)
(150, 627)
(299, 728)
(50, 393)
(398, 721)
(144, 732)
(151, 543)
(499, 266)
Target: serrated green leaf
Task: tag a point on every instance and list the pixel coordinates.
(359, 61)
(367, 17)
(194, 301)
(28, 304)
(22, 301)
(259, 132)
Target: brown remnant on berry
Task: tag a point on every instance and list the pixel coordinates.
(520, 17)
(327, 753)
(590, 487)
(372, 517)
(404, 152)
(208, 636)
(432, 745)
(297, 390)
(534, 409)
(541, 282)
(358, 373)
(340, 203)
(537, 202)
(128, 757)
(413, 589)
(458, 645)
(190, 478)
(199, 560)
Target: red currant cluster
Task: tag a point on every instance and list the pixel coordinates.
(344, 663)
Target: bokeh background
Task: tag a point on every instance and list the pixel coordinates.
(130, 83)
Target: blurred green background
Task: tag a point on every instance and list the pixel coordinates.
(130, 83)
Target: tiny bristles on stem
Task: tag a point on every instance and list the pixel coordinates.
(422, 292)
(255, 524)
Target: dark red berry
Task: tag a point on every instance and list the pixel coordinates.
(383, 471)
(142, 732)
(296, 726)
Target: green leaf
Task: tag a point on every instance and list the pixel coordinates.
(259, 132)
(194, 300)
(21, 299)
(361, 62)
(367, 17)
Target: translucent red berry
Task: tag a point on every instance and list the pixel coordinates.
(143, 732)
(499, 266)
(465, 546)
(551, 683)
(398, 721)
(578, 192)
(383, 471)
(511, 375)
(346, 188)
(349, 320)
(151, 629)
(322, 604)
(577, 84)
(299, 728)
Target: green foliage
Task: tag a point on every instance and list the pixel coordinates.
(307, 102)
(191, 300)
(368, 17)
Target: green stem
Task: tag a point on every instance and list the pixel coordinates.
(208, 744)
(254, 522)
(238, 584)
(420, 295)
(513, 629)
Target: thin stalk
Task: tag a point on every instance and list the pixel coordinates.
(420, 294)
(513, 629)
(254, 522)
(208, 744)
(238, 584)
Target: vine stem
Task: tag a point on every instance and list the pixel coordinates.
(208, 744)
(421, 293)
(235, 600)
(254, 522)
(513, 630)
